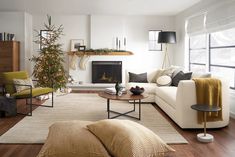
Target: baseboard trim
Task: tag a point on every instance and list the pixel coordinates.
(232, 115)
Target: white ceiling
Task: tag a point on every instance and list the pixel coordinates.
(112, 7)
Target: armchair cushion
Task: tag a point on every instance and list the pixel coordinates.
(35, 92)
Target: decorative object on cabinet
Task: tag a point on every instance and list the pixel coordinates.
(9, 57)
(7, 36)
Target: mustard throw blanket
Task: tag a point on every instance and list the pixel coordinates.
(208, 91)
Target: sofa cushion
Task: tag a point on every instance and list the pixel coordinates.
(168, 94)
(138, 77)
(149, 88)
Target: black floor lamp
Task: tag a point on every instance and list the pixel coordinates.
(167, 37)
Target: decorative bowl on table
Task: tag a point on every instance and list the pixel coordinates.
(137, 90)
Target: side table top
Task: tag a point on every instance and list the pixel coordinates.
(127, 96)
(205, 108)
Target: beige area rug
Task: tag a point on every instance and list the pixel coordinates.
(89, 107)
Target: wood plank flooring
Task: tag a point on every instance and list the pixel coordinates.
(223, 146)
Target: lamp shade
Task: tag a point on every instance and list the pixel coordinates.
(167, 37)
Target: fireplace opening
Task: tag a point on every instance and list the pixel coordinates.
(106, 71)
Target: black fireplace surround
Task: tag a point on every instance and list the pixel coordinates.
(106, 71)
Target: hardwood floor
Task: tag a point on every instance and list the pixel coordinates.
(223, 146)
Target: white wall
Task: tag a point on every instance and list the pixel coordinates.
(28, 38)
(98, 31)
(18, 23)
(181, 46)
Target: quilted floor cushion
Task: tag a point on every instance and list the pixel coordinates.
(125, 138)
(72, 139)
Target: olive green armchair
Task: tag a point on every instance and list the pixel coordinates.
(28, 93)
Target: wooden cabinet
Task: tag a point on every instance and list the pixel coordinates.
(9, 56)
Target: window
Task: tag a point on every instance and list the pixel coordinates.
(214, 52)
(198, 53)
(153, 41)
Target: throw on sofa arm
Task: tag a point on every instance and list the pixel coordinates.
(186, 96)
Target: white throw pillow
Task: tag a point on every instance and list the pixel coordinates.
(164, 80)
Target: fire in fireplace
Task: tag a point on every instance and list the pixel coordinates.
(106, 71)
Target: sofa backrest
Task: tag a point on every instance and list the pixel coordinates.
(150, 73)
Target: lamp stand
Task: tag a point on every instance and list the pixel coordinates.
(165, 59)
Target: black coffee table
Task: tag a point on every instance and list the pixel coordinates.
(205, 137)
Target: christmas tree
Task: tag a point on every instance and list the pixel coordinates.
(48, 68)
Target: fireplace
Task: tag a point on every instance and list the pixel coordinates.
(106, 71)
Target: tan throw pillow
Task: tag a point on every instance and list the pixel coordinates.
(124, 138)
(72, 139)
(23, 82)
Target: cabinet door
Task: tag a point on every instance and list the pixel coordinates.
(9, 56)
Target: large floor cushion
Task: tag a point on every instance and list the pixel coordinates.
(168, 94)
(72, 139)
(125, 138)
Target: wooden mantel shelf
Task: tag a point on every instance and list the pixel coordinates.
(117, 53)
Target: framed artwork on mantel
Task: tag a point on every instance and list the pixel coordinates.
(76, 44)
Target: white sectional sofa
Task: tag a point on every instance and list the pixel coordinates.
(176, 101)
